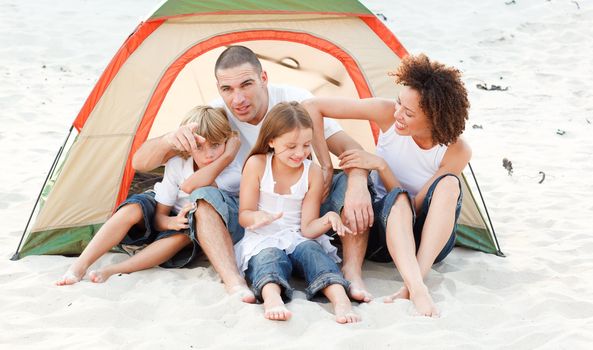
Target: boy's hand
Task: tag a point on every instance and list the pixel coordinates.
(263, 218)
(180, 222)
(233, 144)
(336, 223)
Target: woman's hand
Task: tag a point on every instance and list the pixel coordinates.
(332, 218)
(263, 218)
(356, 158)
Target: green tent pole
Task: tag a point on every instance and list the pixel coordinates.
(49, 174)
(498, 252)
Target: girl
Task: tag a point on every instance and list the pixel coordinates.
(415, 172)
(159, 218)
(281, 192)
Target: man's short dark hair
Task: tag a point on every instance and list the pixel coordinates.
(235, 56)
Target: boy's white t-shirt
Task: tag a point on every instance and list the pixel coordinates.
(178, 170)
(249, 132)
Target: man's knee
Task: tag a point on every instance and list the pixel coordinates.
(205, 210)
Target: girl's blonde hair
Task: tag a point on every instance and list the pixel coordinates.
(213, 124)
(284, 117)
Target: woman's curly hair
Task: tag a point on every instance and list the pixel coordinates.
(443, 97)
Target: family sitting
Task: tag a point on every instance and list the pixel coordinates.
(400, 204)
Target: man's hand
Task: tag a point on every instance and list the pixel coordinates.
(185, 139)
(358, 210)
(263, 218)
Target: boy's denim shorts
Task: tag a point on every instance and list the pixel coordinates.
(139, 237)
(377, 247)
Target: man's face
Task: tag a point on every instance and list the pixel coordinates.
(244, 91)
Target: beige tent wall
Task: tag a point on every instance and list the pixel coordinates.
(86, 191)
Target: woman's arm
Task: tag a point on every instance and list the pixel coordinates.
(205, 176)
(455, 160)
(312, 226)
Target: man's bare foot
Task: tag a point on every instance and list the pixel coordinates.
(357, 290)
(402, 293)
(243, 292)
(344, 313)
(99, 276)
(70, 277)
(423, 303)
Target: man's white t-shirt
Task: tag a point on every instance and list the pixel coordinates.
(178, 170)
(249, 132)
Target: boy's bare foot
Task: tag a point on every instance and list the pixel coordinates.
(99, 276)
(70, 277)
(402, 293)
(423, 303)
(344, 313)
(243, 292)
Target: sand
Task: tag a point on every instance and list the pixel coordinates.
(539, 296)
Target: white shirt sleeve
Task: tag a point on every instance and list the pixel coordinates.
(230, 178)
(166, 191)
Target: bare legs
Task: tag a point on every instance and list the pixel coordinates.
(354, 248)
(110, 234)
(218, 247)
(413, 266)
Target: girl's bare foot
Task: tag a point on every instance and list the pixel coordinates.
(71, 276)
(423, 303)
(403, 293)
(344, 313)
(274, 308)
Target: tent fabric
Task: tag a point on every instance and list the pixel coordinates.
(166, 67)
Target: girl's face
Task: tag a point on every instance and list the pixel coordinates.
(208, 152)
(410, 119)
(293, 147)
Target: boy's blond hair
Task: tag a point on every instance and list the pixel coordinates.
(213, 125)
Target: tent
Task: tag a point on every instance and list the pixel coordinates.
(331, 47)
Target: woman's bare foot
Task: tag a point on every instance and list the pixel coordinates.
(242, 292)
(423, 303)
(99, 276)
(402, 293)
(72, 276)
(344, 313)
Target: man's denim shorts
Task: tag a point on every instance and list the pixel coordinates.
(139, 236)
(226, 205)
(377, 247)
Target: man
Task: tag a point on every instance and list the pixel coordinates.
(247, 97)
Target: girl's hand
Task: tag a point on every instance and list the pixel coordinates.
(356, 158)
(233, 144)
(336, 223)
(263, 218)
(180, 222)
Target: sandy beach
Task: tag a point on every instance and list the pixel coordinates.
(540, 296)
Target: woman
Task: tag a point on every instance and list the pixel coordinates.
(415, 171)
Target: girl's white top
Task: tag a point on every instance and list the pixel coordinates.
(284, 233)
(411, 165)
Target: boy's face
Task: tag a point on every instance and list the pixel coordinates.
(207, 153)
(292, 148)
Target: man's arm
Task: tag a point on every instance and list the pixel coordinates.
(157, 151)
